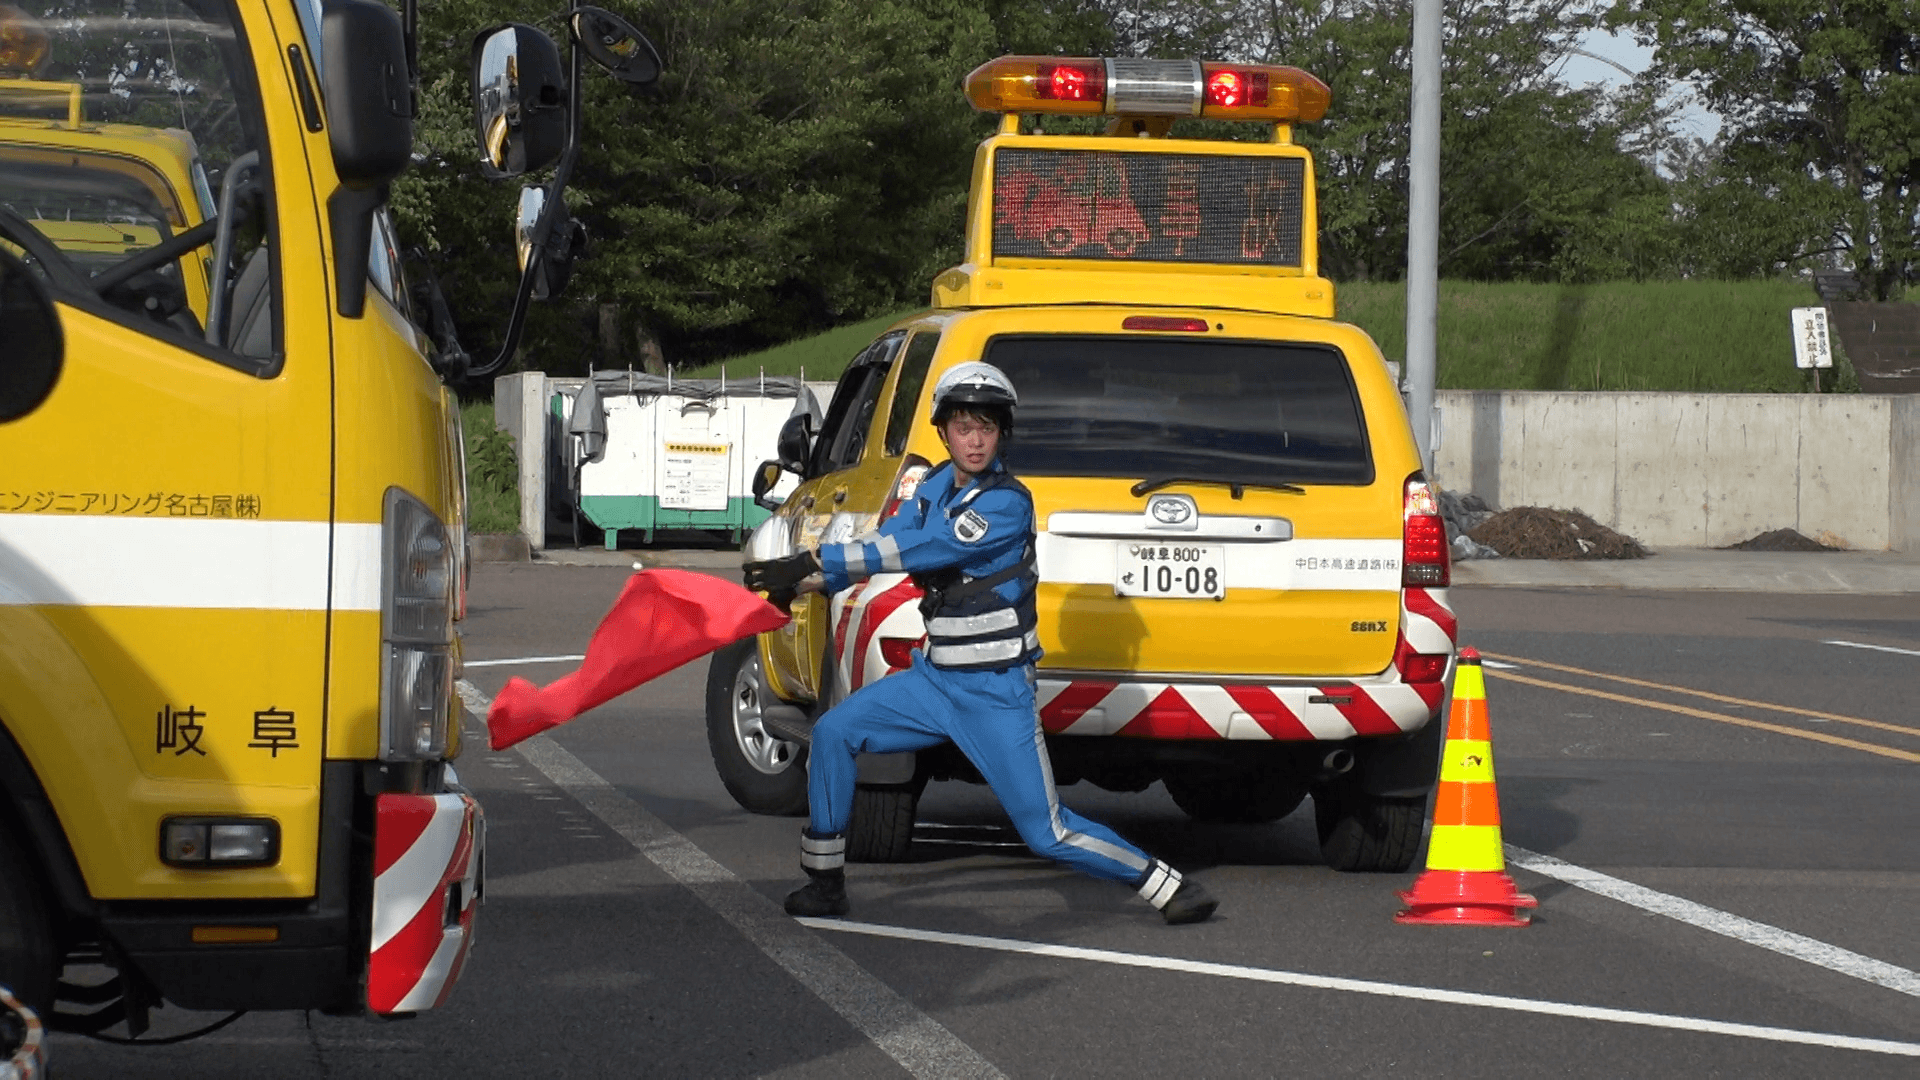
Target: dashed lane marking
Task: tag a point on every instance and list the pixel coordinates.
(1726, 924)
(521, 660)
(1814, 714)
(1875, 648)
(910, 1037)
(1380, 989)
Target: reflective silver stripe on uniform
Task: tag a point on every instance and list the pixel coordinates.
(982, 652)
(822, 853)
(970, 625)
(1128, 859)
(1160, 885)
(889, 551)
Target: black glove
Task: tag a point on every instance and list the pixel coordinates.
(781, 575)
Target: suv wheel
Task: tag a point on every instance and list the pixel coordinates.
(763, 772)
(27, 956)
(1234, 798)
(881, 830)
(1376, 833)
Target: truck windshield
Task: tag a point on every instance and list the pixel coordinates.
(1255, 412)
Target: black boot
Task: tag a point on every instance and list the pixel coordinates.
(1190, 903)
(824, 896)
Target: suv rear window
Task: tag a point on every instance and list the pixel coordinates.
(1251, 411)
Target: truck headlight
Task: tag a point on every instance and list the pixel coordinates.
(416, 631)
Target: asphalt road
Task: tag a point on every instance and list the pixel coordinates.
(1732, 801)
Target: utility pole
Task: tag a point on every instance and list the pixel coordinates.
(1423, 227)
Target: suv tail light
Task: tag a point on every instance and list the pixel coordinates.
(1423, 552)
(898, 651)
(913, 470)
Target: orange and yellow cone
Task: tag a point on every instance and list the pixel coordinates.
(1466, 880)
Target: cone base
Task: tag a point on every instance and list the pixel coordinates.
(1470, 897)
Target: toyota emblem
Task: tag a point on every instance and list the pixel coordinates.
(1170, 511)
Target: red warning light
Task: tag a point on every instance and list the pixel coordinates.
(1074, 82)
(1227, 88)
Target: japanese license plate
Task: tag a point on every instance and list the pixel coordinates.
(1184, 571)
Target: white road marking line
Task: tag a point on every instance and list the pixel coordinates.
(521, 660)
(1498, 664)
(1875, 648)
(1366, 986)
(1772, 938)
(920, 1044)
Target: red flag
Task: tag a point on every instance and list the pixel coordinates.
(663, 619)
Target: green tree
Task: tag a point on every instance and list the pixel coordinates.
(801, 163)
(1538, 181)
(1821, 108)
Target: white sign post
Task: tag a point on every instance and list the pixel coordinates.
(1811, 347)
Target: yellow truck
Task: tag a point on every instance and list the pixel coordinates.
(232, 513)
(1243, 572)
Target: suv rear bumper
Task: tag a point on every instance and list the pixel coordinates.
(1289, 712)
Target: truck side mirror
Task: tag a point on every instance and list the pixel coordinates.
(369, 91)
(612, 42)
(567, 242)
(796, 437)
(765, 476)
(520, 103)
(31, 365)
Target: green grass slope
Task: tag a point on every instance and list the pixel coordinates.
(1703, 336)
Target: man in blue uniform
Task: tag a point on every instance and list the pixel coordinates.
(967, 538)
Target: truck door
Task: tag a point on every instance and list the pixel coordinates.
(167, 562)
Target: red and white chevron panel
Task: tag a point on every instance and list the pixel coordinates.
(1331, 709)
(428, 851)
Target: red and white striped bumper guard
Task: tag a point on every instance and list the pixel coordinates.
(428, 855)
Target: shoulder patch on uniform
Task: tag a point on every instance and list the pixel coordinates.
(970, 527)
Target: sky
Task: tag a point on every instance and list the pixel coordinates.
(1620, 50)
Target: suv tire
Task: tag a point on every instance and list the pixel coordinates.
(764, 773)
(1367, 833)
(881, 830)
(27, 956)
(1234, 798)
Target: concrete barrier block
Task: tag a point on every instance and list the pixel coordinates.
(1752, 465)
(1570, 455)
(1844, 468)
(1663, 487)
(526, 395)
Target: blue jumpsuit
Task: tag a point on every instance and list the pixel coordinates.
(989, 714)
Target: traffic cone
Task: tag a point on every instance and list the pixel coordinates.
(1466, 879)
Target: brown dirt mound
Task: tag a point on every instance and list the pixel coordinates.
(1779, 540)
(1535, 532)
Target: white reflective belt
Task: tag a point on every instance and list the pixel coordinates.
(984, 652)
(1160, 885)
(969, 625)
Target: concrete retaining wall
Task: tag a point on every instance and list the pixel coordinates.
(1694, 470)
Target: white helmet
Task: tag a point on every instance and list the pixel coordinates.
(973, 383)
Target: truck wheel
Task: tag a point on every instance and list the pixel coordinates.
(1361, 832)
(881, 830)
(27, 954)
(763, 773)
(1233, 799)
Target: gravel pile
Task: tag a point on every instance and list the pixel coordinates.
(1535, 532)
(1780, 540)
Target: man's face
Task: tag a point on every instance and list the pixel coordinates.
(972, 441)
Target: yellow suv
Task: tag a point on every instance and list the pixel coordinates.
(1243, 569)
